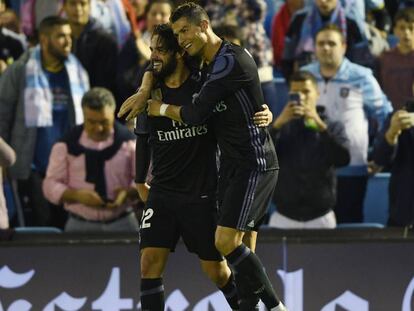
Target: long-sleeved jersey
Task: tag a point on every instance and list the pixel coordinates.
(231, 95)
(183, 156)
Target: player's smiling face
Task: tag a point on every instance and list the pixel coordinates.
(191, 37)
(163, 61)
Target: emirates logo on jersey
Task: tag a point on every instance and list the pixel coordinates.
(220, 107)
(182, 131)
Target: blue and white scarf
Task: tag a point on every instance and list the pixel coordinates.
(38, 98)
(313, 22)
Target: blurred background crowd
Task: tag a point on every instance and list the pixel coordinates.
(66, 66)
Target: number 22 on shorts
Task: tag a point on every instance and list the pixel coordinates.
(146, 215)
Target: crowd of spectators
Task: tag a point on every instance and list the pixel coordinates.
(66, 66)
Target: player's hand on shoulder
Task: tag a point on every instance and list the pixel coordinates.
(136, 103)
(133, 106)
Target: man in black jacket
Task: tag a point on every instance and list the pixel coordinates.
(395, 147)
(96, 49)
(309, 148)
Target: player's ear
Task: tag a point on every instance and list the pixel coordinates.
(204, 25)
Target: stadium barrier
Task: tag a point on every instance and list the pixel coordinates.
(350, 269)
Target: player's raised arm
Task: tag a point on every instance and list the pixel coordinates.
(136, 103)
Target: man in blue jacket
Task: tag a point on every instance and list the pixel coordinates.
(352, 96)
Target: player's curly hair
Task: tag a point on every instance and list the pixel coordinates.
(167, 37)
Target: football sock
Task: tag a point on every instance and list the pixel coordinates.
(152, 295)
(247, 300)
(230, 293)
(252, 276)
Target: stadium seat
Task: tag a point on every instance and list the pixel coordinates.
(8, 194)
(352, 225)
(376, 199)
(14, 208)
(34, 230)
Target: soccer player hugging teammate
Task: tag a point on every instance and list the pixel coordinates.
(181, 200)
(248, 162)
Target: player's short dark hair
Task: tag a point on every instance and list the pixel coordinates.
(151, 3)
(167, 37)
(406, 15)
(49, 22)
(303, 76)
(97, 98)
(331, 27)
(190, 10)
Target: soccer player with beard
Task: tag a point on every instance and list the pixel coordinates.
(181, 200)
(248, 162)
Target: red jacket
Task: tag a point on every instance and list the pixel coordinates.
(280, 25)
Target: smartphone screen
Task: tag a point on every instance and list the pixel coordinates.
(294, 98)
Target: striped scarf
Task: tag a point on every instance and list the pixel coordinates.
(38, 98)
(313, 22)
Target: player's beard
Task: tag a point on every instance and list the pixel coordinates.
(167, 68)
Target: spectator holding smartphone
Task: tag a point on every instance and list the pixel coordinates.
(395, 147)
(91, 170)
(310, 147)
